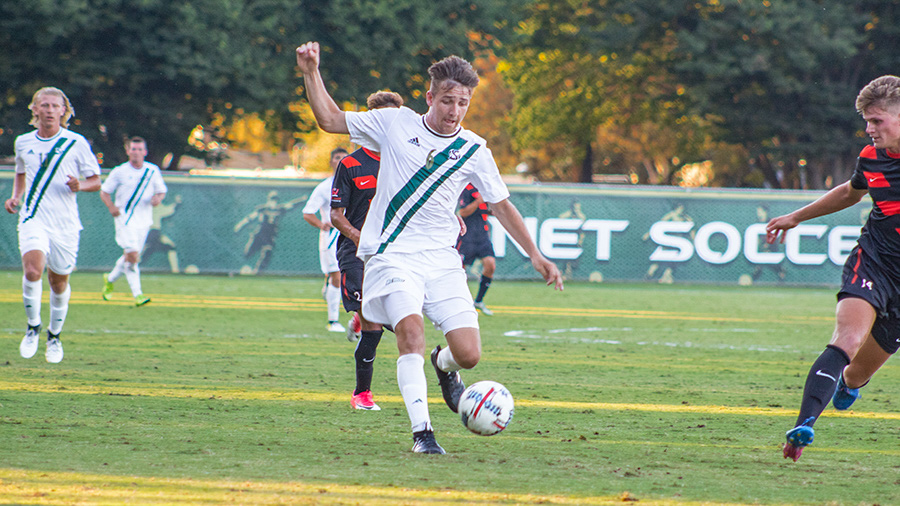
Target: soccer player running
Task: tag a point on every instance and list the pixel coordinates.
(867, 328)
(49, 162)
(355, 180)
(320, 201)
(407, 241)
(476, 242)
(138, 187)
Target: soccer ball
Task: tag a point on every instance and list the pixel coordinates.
(486, 408)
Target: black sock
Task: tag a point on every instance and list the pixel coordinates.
(822, 382)
(365, 358)
(483, 287)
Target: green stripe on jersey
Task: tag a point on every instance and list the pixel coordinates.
(43, 192)
(137, 189)
(40, 173)
(424, 198)
(416, 181)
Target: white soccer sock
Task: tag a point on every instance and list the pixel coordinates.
(117, 271)
(59, 306)
(446, 362)
(414, 389)
(32, 291)
(133, 276)
(333, 301)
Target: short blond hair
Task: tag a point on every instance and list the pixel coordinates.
(882, 93)
(56, 92)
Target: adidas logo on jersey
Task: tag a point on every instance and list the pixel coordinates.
(414, 141)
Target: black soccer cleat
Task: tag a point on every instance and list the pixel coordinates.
(452, 385)
(424, 442)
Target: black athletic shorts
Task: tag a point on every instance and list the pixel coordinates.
(472, 251)
(863, 279)
(351, 287)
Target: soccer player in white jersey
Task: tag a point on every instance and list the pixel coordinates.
(49, 164)
(407, 242)
(138, 187)
(320, 202)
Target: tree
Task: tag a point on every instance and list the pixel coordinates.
(158, 68)
(591, 74)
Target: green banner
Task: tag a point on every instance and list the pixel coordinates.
(251, 226)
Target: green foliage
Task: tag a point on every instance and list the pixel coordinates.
(158, 68)
(776, 79)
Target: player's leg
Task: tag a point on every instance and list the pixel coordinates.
(60, 264)
(394, 294)
(854, 319)
(60, 292)
(449, 305)
(488, 266)
(33, 263)
(877, 348)
(34, 245)
(133, 276)
(366, 341)
(333, 301)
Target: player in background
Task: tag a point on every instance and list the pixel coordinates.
(476, 242)
(867, 327)
(320, 201)
(354, 186)
(407, 242)
(138, 187)
(49, 162)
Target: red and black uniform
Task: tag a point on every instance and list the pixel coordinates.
(872, 271)
(476, 243)
(355, 180)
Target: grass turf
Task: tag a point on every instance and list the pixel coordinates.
(230, 389)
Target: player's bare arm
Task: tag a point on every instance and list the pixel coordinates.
(12, 204)
(107, 199)
(340, 222)
(316, 222)
(157, 199)
(329, 116)
(837, 199)
(90, 184)
(471, 208)
(512, 221)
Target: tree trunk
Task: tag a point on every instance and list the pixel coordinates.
(587, 164)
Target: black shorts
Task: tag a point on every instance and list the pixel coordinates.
(863, 279)
(351, 287)
(470, 251)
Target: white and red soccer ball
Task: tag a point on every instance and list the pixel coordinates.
(486, 408)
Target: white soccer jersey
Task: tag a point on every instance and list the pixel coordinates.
(47, 165)
(422, 174)
(133, 189)
(320, 200)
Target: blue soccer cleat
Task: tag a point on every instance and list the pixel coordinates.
(844, 396)
(799, 438)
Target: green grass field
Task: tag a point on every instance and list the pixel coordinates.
(229, 390)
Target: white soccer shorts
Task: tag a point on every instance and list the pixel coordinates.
(130, 237)
(432, 283)
(328, 251)
(60, 248)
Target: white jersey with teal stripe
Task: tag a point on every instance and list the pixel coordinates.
(422, 174)
(47, 165)
(133, 189)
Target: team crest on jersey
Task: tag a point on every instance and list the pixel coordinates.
(429, 160)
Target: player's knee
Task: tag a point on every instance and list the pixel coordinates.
(468, 359)
(32, 273)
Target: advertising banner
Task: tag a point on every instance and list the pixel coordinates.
(234, 226)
